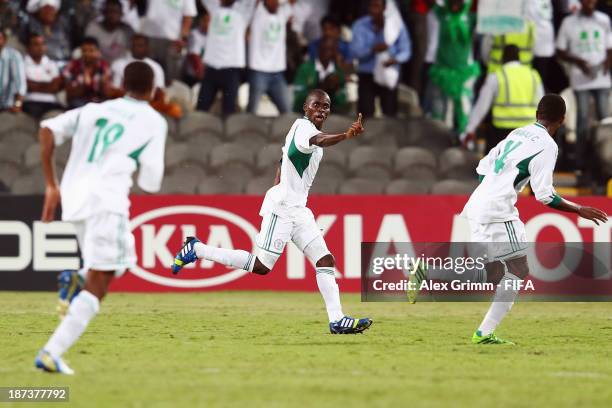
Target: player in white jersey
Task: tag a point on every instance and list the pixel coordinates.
(110, 141)
(526, 155)
(285, 216)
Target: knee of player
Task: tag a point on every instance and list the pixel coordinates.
(495, 272)
(327, 261)
(260, 269)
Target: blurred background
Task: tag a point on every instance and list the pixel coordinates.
(439, 82)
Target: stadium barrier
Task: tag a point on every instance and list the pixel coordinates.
(32, 252)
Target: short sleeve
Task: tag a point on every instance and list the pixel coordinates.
(151, 160)
(541, 170)
(189, 8)
(63, 126)
(304, 131)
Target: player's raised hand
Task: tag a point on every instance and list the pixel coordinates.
(356, 128)
(52, 199)
(593, 214)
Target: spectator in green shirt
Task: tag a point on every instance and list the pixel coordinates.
(323, 73)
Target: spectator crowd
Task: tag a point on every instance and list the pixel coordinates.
(57, 54)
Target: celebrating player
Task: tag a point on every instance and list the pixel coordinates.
(285, 216)
(110, 141)
(527, 154)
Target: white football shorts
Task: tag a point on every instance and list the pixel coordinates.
(106, 242)
(500, 240)
(298, 226)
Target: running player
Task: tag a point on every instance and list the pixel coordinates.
(285, 216)
(110, 141)
(526, 155)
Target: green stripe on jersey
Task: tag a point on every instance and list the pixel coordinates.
(300, 160)
(135, 155)
(523, 168)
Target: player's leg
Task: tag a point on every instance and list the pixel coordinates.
(271, 240)
(108, 250)
(308, 238)
(508, 247)
(81, 311)
(421, 272)
(506, 293)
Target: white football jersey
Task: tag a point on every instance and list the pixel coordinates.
(527, 154)
(110, 140)
(300, 162)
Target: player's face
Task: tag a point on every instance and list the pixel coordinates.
(317, 109)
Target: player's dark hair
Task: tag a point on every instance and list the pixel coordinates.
(314, 93)
(138, 77)
(90, 41)
(511, 53)
(551, 108)
(330, 19)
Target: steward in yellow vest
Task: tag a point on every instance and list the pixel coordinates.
(524, 42)
(513, 92)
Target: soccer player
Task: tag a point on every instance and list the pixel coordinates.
(110, 141)
(526, 155)
(285, 216)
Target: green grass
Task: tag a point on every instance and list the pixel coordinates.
(273, 349)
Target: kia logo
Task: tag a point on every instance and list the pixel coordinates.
(227, 216)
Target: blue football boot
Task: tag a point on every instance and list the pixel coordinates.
(186, 255)
(348, 325)
(69, 284)
(45, 362)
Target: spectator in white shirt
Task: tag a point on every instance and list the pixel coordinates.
(225, 51)
(585, 42)
(167, 24)
(267, 54)
(541, 13)
(140, 52)
(112, 34)
(43, 78)
(196, 46)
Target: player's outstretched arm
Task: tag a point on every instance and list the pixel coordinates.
(52, 192)
(589, 213)
(327, 139)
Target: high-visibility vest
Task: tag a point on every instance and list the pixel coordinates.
(517, 93)
(524, 41)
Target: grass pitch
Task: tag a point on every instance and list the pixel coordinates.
(273, 349)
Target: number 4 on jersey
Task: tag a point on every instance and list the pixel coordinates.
(106, 135)
(501, 160)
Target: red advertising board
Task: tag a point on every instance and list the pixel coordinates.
(159, 224)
